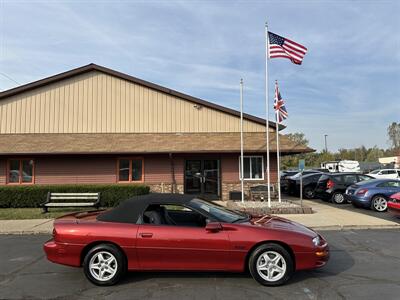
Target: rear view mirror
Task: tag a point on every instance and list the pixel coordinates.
(214, 227)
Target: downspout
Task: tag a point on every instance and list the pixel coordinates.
(173, 186)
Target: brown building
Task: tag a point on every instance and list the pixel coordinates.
(95, 125)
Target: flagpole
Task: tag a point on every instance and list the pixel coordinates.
(278, 159)
(267, 112)
(241, 140)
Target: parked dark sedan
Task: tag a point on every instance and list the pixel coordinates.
(333, 186)
(295, 175)
(309, 183)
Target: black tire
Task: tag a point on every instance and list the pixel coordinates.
(338, 198)
(256, 257)
(308, 192)
(120, 265)
(379, 199)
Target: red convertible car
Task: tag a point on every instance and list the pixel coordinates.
(394, 205)
(182, 232)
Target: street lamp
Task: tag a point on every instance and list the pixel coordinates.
(326, 145)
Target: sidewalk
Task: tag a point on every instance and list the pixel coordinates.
(325, 217)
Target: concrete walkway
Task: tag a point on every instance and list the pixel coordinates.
(328, 216)
(325, 217)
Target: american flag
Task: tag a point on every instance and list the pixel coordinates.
(279, 105)
(280, 47)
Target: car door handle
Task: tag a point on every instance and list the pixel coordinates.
(146, 234)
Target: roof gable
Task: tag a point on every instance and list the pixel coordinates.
(94, 67)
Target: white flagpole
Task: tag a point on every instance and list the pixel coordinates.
(241, 139)
(278, 160)
(267, 111)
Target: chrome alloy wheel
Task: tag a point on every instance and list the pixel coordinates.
(380, 203)
(338, 198)
(271, 266)
(103, 266)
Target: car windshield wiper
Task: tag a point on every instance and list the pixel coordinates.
(244, 219)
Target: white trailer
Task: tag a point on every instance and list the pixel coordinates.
(341, 166)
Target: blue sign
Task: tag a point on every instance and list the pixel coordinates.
(302, 164)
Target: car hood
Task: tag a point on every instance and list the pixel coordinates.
(279, 223)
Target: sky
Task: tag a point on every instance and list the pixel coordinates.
(348, 86)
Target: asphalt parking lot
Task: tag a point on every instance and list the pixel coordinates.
(364, 265)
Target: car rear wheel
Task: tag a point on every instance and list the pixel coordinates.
(309, 192)
(379, 203)
(104, 264)
(338, 198)
(271, 264)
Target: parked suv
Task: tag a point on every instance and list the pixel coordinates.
(385, 173)
(333, 186)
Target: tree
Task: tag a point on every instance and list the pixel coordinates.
(298, 138)
(393, 132)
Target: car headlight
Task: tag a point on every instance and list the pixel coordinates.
(316, 241)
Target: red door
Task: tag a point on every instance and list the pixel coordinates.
(166, 247)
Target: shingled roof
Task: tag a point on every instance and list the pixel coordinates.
(131, 143)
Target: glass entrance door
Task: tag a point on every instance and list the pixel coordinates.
(202, 177)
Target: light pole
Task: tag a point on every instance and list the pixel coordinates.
(326, 145)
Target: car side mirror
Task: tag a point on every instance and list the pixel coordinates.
(214, 227)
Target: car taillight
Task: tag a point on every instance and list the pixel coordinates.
(330, 184)
(362, 192)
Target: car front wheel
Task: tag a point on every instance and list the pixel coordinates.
(338, 198)
(309, 192)
(104, 264)
(271, 265)
(379, 203)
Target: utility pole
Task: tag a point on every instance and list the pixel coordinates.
(326, 145)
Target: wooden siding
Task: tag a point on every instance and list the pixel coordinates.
(102, 170)
(95, 102)
(75, 170)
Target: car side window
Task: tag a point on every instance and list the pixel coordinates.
(349, 179)
(173, 215)
(389, 184)
(363, 178)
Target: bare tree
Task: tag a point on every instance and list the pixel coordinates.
(393, 132)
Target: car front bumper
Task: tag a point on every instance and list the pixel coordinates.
(394, 208)
(65, 254)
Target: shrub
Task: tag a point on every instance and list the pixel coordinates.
(35, 195)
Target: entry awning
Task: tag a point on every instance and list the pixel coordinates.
(108, 143)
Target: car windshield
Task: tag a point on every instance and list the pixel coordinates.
(219, 212)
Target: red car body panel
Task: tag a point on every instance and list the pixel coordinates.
(161, 247)
(394, 205)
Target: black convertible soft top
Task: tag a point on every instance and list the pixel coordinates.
(129, 210)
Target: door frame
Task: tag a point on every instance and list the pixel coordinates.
(219, 181)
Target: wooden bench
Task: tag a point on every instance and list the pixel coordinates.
(260, 192)
(71, 200)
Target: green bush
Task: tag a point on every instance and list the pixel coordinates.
(35, 195)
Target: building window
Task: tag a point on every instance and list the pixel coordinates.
(253, 168)
(21, 171)
(130, 169)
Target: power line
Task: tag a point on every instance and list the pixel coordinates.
(8, 77)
